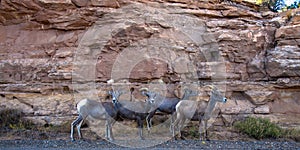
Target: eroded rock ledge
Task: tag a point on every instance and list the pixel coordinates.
(41, 40)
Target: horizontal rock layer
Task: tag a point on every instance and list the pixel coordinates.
(54, 53)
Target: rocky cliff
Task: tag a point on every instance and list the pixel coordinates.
(53, 53)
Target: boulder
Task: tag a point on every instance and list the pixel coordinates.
(264, 109)
(283, 62)
(56, 52)
(259, 97)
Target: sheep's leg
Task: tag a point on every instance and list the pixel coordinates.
(182, 121)
(201, 128)
(113, 121)
(149, 120)
(106, 129)
(149, 123)
(140, 126)
(109, 134)
(172, 121)
(111, 137)
(141, 133)
(78, 129)
(173, 127)
(73, 124)
(175, 123)
(72, 132)
(205, 129)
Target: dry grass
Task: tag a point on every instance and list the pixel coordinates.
(13, 119)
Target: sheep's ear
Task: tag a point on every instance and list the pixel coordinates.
(143, 93)
(110, 92)
(118, 92)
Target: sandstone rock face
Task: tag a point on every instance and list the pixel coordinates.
(265, 109)
(54, 53)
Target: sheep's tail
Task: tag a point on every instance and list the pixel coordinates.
(77, 121)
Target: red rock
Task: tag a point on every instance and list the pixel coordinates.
(264, 109)
(80, 3)
(288, 32)
(105, 3)
(258, 57)
(283, 61)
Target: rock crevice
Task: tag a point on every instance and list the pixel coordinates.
(51, 51)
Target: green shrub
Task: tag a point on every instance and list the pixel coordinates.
(259, 128)
(12, 119)
(194, 132)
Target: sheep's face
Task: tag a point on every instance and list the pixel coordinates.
(217, 95)
(115, 96)
(151, 96)
(114, 100)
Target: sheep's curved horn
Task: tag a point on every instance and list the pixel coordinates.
(144, 89)
(211, 86)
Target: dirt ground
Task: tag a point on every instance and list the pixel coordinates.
(45, 139)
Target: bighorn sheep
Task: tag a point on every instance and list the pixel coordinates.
(197, 111)
(96, 110)
(131, 110)
(167, 105)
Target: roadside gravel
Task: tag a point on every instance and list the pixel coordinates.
(172, 144)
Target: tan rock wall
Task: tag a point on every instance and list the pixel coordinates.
(45, 45)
